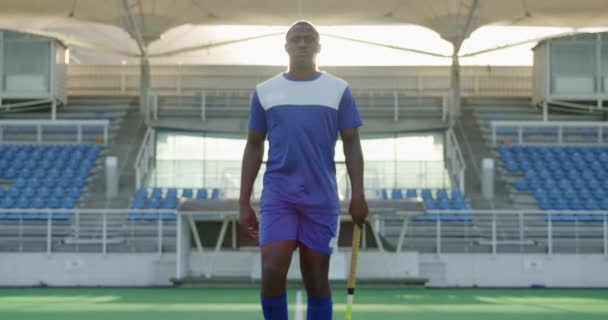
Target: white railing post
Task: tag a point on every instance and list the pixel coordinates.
(105, 134)
(395, 106)
(493, 133)
(606, 235)
(494, 238)
(178, 246)
(79, 134)
(445, 107)
(155, 106)
(160, 235)
(39, 133)
(600, 135)
(438, 235)
(520, 134)
(560, 134)
(203, 106)
(104, 233)
(550, 234)
(49, 234)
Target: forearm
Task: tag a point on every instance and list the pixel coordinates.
(354, 166)
(252, 160)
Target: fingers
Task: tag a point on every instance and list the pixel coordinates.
(254, 233)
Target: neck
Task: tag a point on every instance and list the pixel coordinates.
(302, 72)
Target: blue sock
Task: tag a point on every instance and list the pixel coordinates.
(275, 308)
(319, 308)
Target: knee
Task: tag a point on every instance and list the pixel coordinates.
(273, 270)
(317, 284)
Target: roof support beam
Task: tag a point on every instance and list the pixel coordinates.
(135, 31)
(383, 45)
(144, 65)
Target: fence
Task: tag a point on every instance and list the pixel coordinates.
(193, 79)
(550, 132)
(488, 231)
(47, 131)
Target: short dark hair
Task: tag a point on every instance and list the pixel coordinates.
(303, 22)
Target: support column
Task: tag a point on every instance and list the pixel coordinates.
(455, 88)
(144, 84)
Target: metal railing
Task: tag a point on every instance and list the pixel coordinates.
(487, 231)
(415, 80)
(85, 230)
(554, 132)
(393, 104)
(144, 161)
(455, 160)
(37, 129)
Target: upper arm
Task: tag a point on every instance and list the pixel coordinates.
(349, 136)
(256, 137)
(257, 114)
(348, 114)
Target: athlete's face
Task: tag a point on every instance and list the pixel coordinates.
(302, 45)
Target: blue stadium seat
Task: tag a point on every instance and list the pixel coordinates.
(411, 193)
(201, 193)
(171, 193)
(396, 194)
(157, 193)
(141, 193)
(215, 193)
(187, 193)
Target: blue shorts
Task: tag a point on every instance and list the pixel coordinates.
(317, 230)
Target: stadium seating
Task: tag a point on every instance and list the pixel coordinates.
(160, 199)
(44, 177)
(438, 199)
(561, 178)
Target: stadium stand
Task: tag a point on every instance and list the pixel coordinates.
(434, 200)
(560, 178)
(44, 177)
(159, 198)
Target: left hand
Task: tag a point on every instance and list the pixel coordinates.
(358, 209)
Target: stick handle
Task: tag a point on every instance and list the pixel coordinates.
(352, 275)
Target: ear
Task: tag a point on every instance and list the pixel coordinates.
(319, 48)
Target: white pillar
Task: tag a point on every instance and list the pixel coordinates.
(487, 178)
(111, 177)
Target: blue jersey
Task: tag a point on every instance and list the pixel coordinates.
(302, 118)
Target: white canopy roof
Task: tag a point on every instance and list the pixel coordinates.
(146, 21)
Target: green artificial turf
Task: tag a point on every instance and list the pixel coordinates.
(243, 304)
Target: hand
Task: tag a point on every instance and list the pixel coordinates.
(249, 221)
(358, 209)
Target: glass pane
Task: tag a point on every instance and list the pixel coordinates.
(573, 67)
(195, 160)
(26, 63)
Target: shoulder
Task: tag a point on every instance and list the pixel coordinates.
(333, 83)
(270, 83)
(333, 79)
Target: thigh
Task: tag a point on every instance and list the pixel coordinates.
(314, 267)
(318, 231)
(278, 225)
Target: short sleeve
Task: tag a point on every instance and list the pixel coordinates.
(257, 115)
(348, 115)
